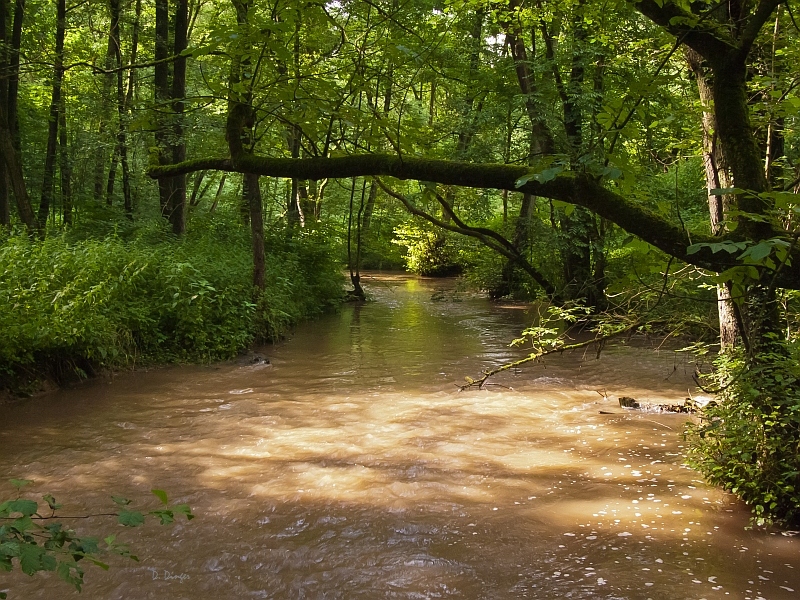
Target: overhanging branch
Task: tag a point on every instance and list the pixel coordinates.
(573, 188)
(490, 239)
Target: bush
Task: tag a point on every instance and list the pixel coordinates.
(749, 443)
(71, 306)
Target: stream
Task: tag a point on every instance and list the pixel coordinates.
(352, 467)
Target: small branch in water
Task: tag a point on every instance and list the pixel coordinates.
(541, 353)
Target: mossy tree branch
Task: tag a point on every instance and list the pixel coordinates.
(573, 188)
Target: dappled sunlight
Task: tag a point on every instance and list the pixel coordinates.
(355, 464)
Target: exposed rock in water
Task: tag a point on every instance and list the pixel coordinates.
(254, 360)
(628, 402)
(689, 405)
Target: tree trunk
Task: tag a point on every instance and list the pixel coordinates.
(541, 143)
(717, 177)
(370, 206)
(252, 192)
(579, 232)
(294, 211)
(239, 131)
(469, 125)
(178, 191)
(12, 116)
(162, 97)
(5, 206)
(9, 126)
(134, 53)
(197, 191)
(104, 128)
(64, 165)
(48, 183)
(218, 195)
(14, 170)
(114, 61)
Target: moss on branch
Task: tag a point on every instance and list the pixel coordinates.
(577, 189)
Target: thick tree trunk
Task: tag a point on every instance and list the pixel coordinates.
(717, 177)
(14, 170)
(48, 183)
(239, 130)
(9, 126)
(541, 144)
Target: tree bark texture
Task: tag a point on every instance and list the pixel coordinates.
(65, 165)
(239, 129)
(48, 183)
(15, 176)
(717, 177)
(162, 97)
(178, 191)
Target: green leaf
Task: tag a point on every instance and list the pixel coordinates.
(165, 516)
(758, 252)
(25, 507)
(30, 558)
(51, 502)
(100, 564)
(130, 518)
(20, 483)
(161, 495)
(120, 500)
(184, 509)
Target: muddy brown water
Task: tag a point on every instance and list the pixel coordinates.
(353, 468)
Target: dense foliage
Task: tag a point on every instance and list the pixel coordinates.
(748, 440)
(42, 542)
(76, 305)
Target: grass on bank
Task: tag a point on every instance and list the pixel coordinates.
(70, 305)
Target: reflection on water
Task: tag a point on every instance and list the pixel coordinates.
(353, 468)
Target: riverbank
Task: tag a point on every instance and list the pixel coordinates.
(74, 307)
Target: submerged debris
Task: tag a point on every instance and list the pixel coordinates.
(689, 405)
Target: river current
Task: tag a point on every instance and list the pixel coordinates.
(352, 467)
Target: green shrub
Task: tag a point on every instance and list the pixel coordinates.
(749, 442)
(72, 305)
